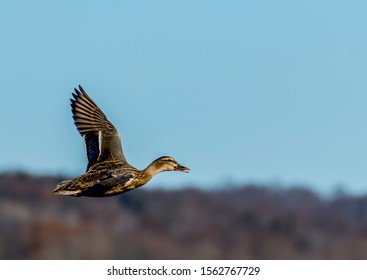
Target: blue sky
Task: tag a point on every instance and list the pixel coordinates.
(239, 91)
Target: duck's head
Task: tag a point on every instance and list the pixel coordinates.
(166, 163)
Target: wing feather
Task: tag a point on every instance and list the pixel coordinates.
(102, 140)
(100, 188)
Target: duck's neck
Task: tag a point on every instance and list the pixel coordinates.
(153, 169)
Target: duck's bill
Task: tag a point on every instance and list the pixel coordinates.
(182, 168)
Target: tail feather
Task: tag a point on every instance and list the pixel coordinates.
(62, 189)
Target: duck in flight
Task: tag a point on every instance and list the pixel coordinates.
(108, 173)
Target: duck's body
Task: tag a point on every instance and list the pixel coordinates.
(106, 179)
(108, 173)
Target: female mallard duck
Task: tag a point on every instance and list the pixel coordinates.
(108, 173)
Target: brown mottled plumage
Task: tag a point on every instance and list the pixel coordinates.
(108, 173)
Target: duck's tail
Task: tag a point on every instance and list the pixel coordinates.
(63, 188)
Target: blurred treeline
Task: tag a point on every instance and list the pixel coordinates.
(249, 222)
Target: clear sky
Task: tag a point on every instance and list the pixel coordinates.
(239, 91)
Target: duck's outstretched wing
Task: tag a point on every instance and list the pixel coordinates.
(101, 139)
